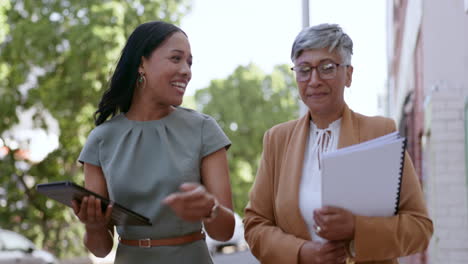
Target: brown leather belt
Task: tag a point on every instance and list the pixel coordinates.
(173, 241)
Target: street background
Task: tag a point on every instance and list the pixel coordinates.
(56, 56)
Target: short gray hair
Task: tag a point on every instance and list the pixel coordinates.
(321, 36)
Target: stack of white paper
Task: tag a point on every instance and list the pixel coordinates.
(365, 178)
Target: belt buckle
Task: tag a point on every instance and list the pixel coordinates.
(142, 245)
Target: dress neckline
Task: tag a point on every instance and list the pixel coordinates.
(161, 120)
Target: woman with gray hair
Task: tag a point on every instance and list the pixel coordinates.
(284, 220)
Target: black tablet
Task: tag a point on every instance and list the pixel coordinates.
(65, 191)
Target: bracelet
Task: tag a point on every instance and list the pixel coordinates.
(213, 212)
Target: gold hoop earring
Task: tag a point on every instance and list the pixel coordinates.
(141, 77)
(141, 80)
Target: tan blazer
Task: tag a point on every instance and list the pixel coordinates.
(274, 227)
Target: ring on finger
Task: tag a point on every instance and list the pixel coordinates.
(318, 229)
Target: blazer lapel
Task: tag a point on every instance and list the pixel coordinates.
(289, 186)
(349, 131)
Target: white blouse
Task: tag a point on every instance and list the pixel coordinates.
(319, 141)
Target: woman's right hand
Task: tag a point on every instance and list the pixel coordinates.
(90, 213)
(331, 252)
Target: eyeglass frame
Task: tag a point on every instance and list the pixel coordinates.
(318, 71)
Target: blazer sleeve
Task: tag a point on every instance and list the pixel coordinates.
(408, 232)
(267, 241)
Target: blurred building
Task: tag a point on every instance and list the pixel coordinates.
(427, 96)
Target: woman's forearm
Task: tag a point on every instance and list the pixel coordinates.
(222, 226)
(99, 242)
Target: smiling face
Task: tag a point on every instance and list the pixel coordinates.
(324, 98)
(167, 71)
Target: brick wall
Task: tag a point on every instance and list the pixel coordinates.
(444, 172)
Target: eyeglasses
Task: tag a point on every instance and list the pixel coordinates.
(326, 71)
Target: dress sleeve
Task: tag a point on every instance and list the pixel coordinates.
(90, 152)
(408, 232)
(213, 137)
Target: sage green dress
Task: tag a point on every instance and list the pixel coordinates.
(145, 161)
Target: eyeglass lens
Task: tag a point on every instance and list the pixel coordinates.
(325, 71)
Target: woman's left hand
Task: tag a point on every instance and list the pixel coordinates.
(192, 203)
(334, 223)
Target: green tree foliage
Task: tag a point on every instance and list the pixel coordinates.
(57, 56)
(245, 105)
